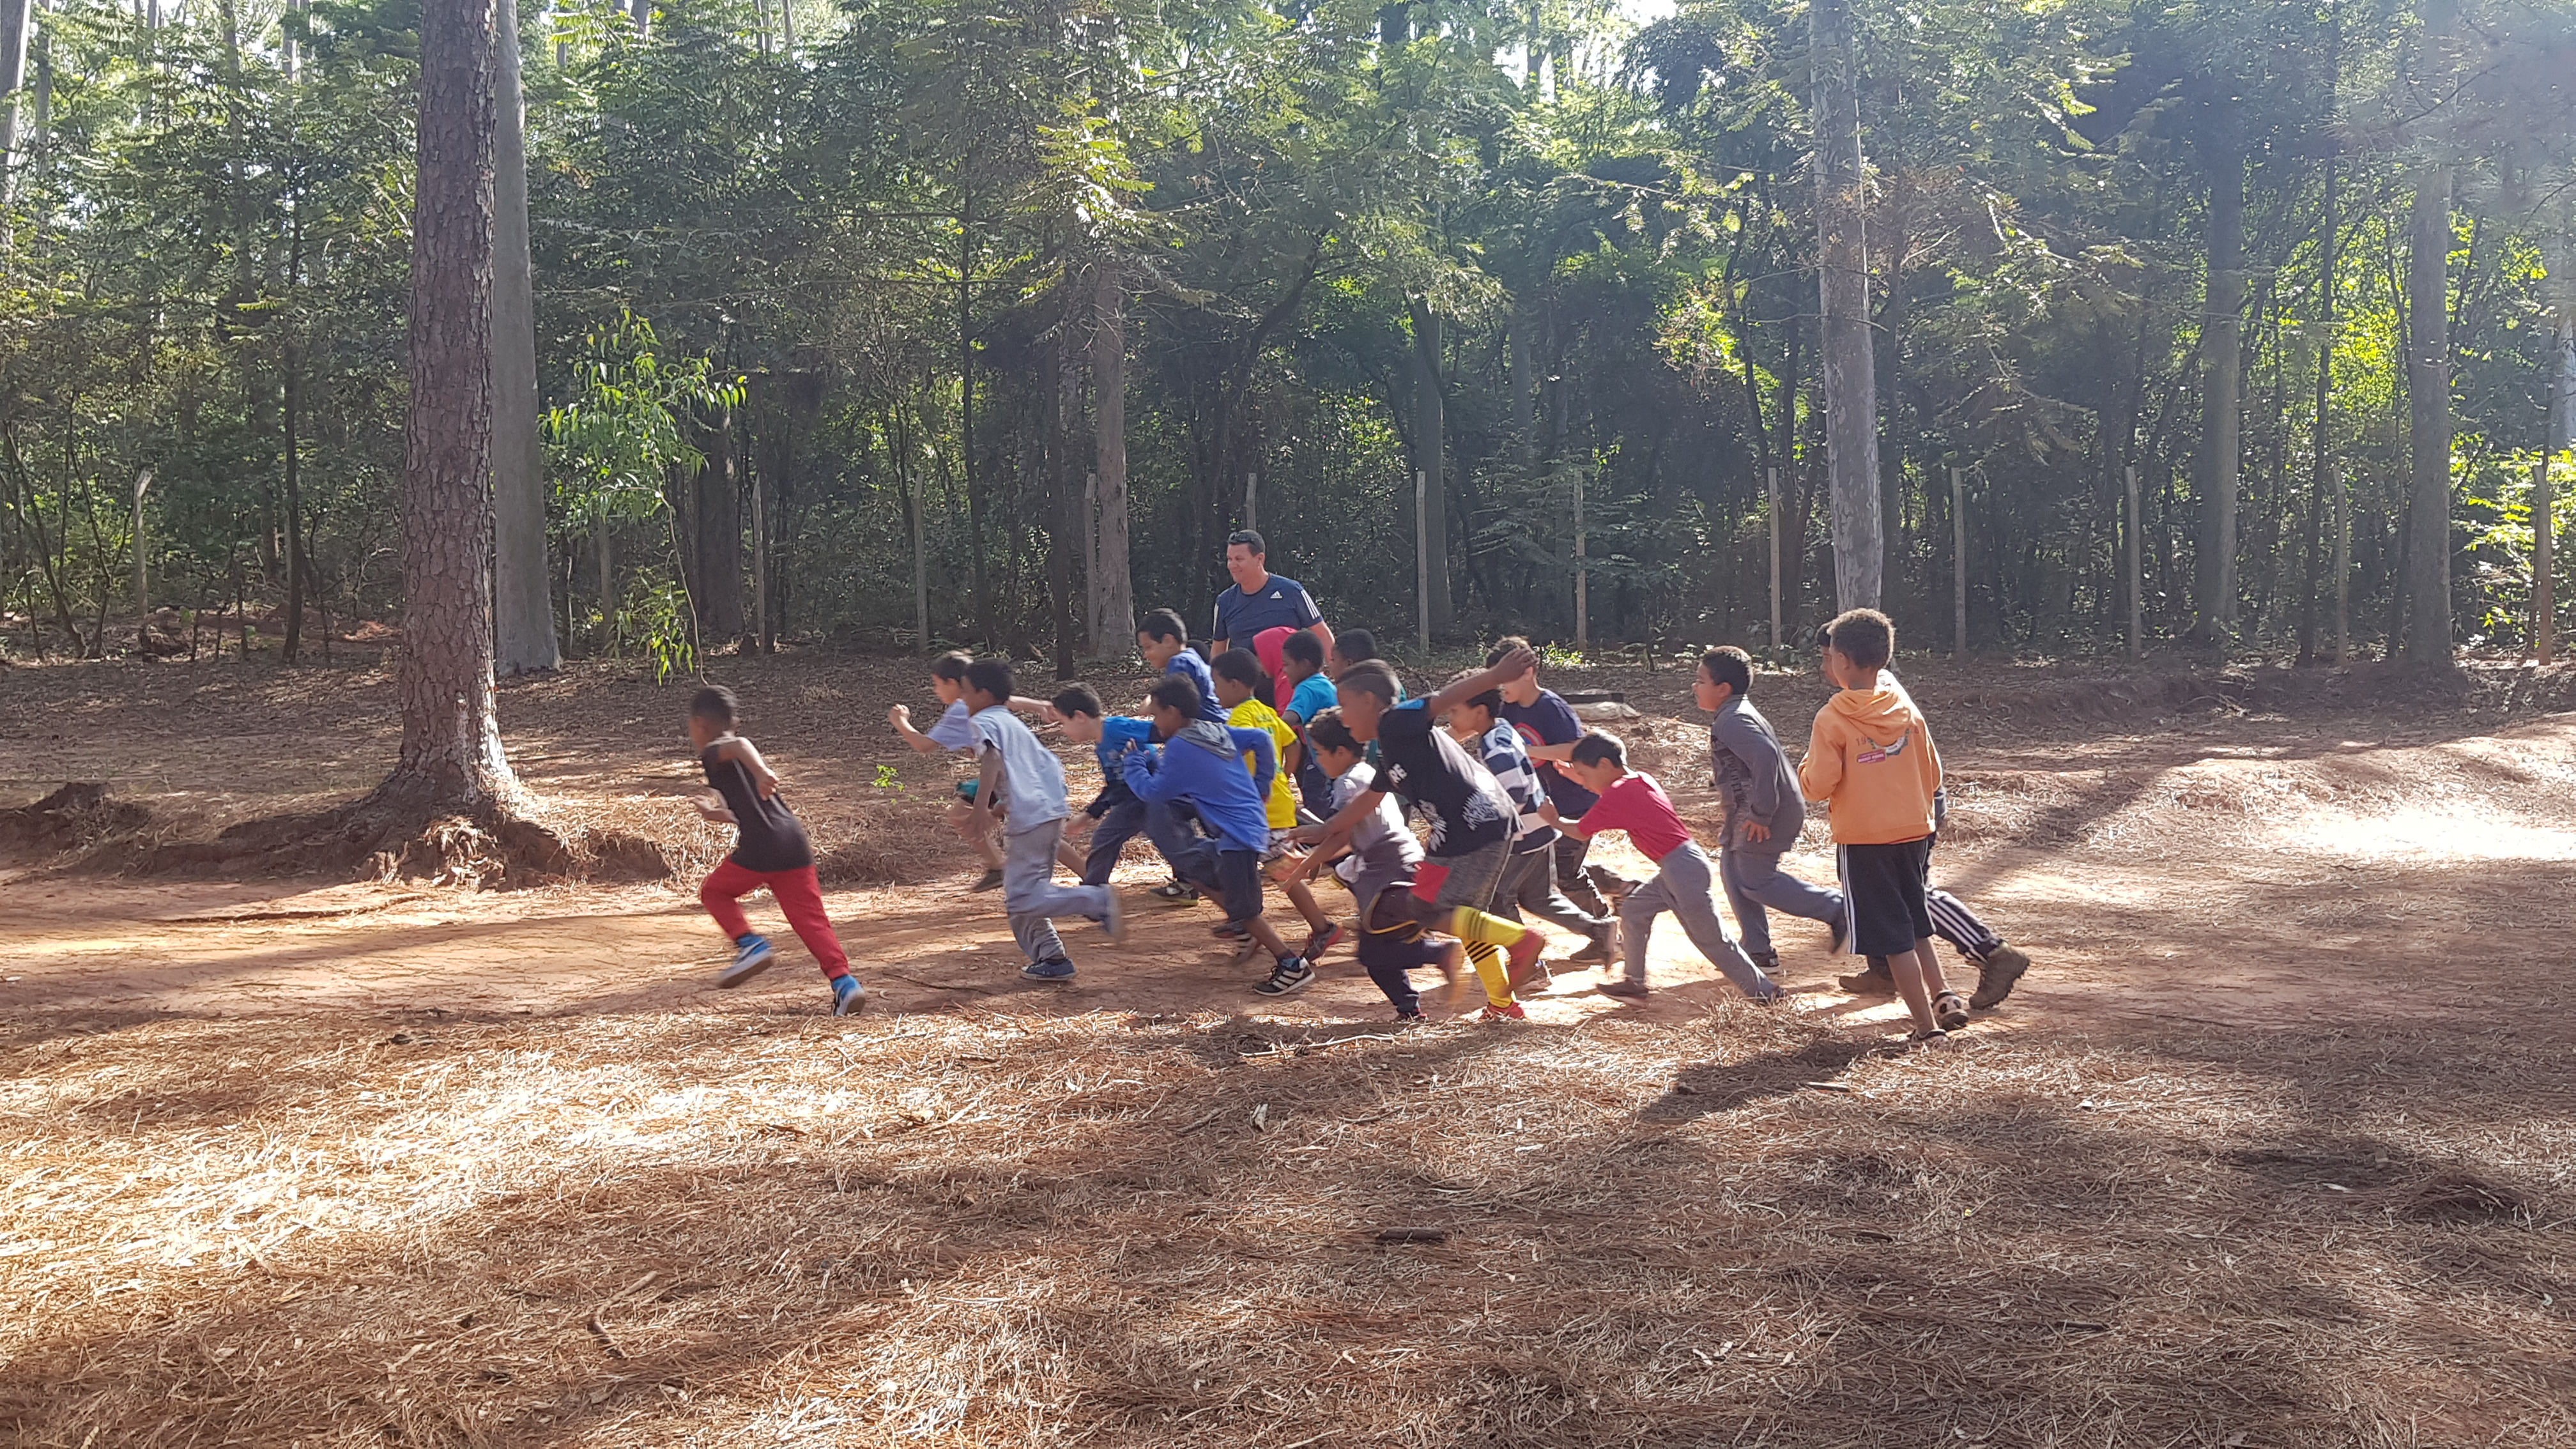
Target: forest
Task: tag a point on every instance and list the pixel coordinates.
(909, 322)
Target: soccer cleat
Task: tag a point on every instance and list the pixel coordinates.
(849, 998)
(1114, 920)
(1502, 1011)
(1868, 983)
(1289, 977)
(1997, 975)
(1322, 941)
(1625, 989)
(751, 956)
(1056, 970)
(990, 880)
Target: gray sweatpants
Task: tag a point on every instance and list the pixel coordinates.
(1031, 896)
(1683, 886)
(1754, 880)
(1529, 884)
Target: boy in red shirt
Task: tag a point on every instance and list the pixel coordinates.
(1683, 884)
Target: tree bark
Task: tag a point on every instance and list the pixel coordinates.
(1114, 626)
(717, 589)
(451, 739)
(2222, 364)
(1431, 433)
(1842, 282)
(17, 25)
(2428, 419)
(1063, 383)
(522, 586)
(291, 418)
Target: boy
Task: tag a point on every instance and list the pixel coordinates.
(1999, 964)
(1528, 876)
(1549, 727)
(1633, 802)
(1763, 810)
(1023, 779)
(1202, 765)
(1380, 873)
(1872, 761)
(1472, 819)
(1114, 816)
(1240, 684)
(1164, 641)
(770, 849)
(952, 732)
(1310, 693)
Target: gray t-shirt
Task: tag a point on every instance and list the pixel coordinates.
(1384, 853)
(1032, 777)
(1754, 780)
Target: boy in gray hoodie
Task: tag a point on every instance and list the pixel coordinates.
(1764, 811)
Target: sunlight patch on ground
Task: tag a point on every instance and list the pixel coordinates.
(2452, 834)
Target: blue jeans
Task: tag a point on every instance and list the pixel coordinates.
(1754, 880)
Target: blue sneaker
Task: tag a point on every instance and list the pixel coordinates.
(751, 956)
(849, 998)
(1056, 970)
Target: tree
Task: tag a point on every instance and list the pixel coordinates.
(1842, 281)
(522, 596)
(451, 736)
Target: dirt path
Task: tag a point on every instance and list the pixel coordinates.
(2272, 1149)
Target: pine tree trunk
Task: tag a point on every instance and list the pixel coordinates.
(17, 25)
(717, 589)
(451, 740)
(2222, 364)
(1842, 283)
(1431, 433)
(1114, 629)
(2428, 418)
(522, 586)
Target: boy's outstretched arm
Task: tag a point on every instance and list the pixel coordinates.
(1510, 667)
(1336, 836)
(901, 718)
(1547, 812)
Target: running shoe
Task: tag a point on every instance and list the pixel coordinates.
(1602, 950)
(1867, 983)
(990, 880)
(1288, 978)
(1176, 893)
(1626, 989)
(849, 998)
(1523, 964)
(1114, 920)
(1322, 941)
(751, 956)
(1506, 1011)
(1056, 970)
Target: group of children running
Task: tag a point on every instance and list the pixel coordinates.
(1507, 783)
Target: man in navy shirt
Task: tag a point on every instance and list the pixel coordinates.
(1261, 601)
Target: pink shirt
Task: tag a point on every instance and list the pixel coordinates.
(1637, 804)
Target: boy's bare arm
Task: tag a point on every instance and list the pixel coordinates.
(1547, 812)
(763, 778)
(1559, 753)
(710, 806)
(1510, 667)
(901, 718)
(1337, 832)
(988, 786)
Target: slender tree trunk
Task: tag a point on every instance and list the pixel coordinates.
(1063, 385)
(2222, 370)
(1431, 430)
(966, 416)
(1842, 282)
(17, 25)
(1115, 627)
(718, 586)
(291, 441)
(451, 741)
(522, 586)
(2428, 415)
(1524, 390)
(2319, 475)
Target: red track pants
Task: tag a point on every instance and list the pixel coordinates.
(800, 899)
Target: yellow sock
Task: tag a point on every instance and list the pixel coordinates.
(1483, 933)
(1489, 970)
(1470, 924)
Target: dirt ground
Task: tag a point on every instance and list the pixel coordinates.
(2277, 1145)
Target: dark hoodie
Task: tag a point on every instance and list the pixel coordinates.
(1204, 765)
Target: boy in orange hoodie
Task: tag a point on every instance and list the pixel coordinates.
(1871, 760)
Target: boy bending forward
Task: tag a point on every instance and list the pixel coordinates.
(770, 852)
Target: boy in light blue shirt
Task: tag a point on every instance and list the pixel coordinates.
(1301, 658)
(1023, 779)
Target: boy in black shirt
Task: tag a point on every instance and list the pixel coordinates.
(1472, 819)
(770, 850)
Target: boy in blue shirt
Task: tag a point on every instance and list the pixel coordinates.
(1114, 816)
(1301, 659)
(1016, 768)
(1202, 765)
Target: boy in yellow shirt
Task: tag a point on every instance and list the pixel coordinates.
(1870, 759)
(1242, 687)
